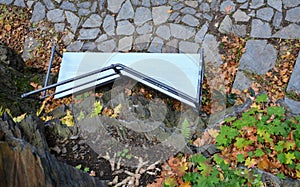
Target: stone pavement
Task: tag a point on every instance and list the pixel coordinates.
(176, 26)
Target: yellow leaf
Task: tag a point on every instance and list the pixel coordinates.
(186, 184)
(250, 163)
(19, 118)
(298, 174)
(41, 108)
(68, 119)
(213, 132)
(117, 111)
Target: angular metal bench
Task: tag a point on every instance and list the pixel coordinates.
(179, 76)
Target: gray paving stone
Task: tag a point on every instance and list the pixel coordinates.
(199, 37)
(241, 82)
(177, 6)
(49, 4)
(29, 4)
(156, 45)
(291, 31)
(89, 46)
(241, 1)
(93, 21)
(85, 5)
(73, 20)
(142, 15)
(181, 32)
(146, 3)
(226, 25)
(160, 14)
(210, 46)
(244, 6)
(6, 2)
(114, 5)
(208, 17)
(171, 46)
(101, 38)
(135, 2)
(188, 10)
(158, 2)
(88, 34)
(67, 39)
(193, 4)
(142, 42)
(146, 28)
(265, 13)
(59, 27)
(75, 46)
(290, 3)
(259, 57)
(257, 4)
(38, 13)
(277, 4)
(239, 30)
(225, 4)
(252, 13)
(240, 16)
(125, 28)
(101, 4)
(188, 47)
(126, 11)
(58, 1)
(294, 83)
(94, 6)
(294, 107)
(66, 5)
(109, 25)
(83, 12)
(204, 7)
(19, 3)
(163, 31)
(55, 15)
(260, 29)
(190, 20)
(173, 16)
(30, 44)
(125, 44)
(215, 5)
(293, 15)
(277, 20)
(107, 46)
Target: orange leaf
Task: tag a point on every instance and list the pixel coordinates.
(263, 164)
(186, 184)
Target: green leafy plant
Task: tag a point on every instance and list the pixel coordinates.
(125, 154)
(185, 128)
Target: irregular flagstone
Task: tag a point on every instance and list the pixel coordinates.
(257, 4)
(85, 5)
(94, 6)
(178, 6)
(146, 28)
(293, 105)
(240, 30)
(101, 38)
(6, 2)
(93, 21)
(83, 12)
(260, 29)
(73, 20)
(193, 4)
(188, 47)
(227, 7)
(68, 38)
(277, 20)
(294, 82)
(277, 4)
(240, 16)
(241, 82)
(171, 46)
(88, 34)
(160, 14)
(38, 13)
(204, 7)
(156, 45)
(146, 3)
(109, 25)
(291, 31)
(181, 32)
(126, 11)
(158, 2)
(142, 42)
(59, 27)
(89, 46)
(19, 3)
(293, 15)
(29, 4)
(114, 5)
(55, 15)
(164, 32)
(142, 15)
(125, 28)
(190, 20)
(244, 6)
(259, 57)
(291, 3)
(201, 33)
(49, 4)
(226, 25)
(241, 1)
(75, 46)
(188, 10)
(66, 5)
(214, 5)
(125, 44)
(265, 14)
(210, 46)
(107, 46)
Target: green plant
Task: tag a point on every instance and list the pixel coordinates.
(125, 154)
(86, 169)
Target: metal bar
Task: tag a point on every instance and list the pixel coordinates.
(49, 67)
(200, 81)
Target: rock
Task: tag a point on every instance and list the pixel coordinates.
(101, 38)
(125, 28)
(146, 28)
(226, 25)
(109, 25)
(142, 42)
(163, 31)
(241, 1)
(190, 20)
(83, 12)
(66, 5)
(49, 4)
(88, 34)
(204, 7)
(257, 4)
(239, 30)
(181, 32)
(188, 10)
(93, 21)
(215, 4)
(68, 38)
(107, 46)
(227, 7)
(291, 31)
(114, 5)
(277, 4)
(277, 20)
(240, 16)
(156, 45)
(293, 106)
(146, 3)
(29, 45)
(265, 14)
(158, 2)
(211, 51)
(171, 47)
(6, 2)
(89, 46)
(55, 15)
(38, 12)
(241, 82)
(59, 27)
(201, 33)
(291, 3)
(188, 47)
(160, 14)
(177, 6)
(73, 20)
(193, 4)
(255, 59)
(293, 15)
(94, 6)
(290, 182)
(142, 15)
(126, 11)
(260, 29)
(244, 6)
(294, 83)
(85, 5)
(125, 44)
(19, 3)
(75, 46)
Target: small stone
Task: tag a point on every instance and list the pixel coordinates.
(188, 10)
(158, 2)
(260, 29)
(19, 3)
(240, 16)
(201, 33)
(244, 6)
(88, 34)
(226, 25)
(93, 21)
(210, 46)
(265, 14)
(177, 6)
(101, 38)
(181, 32)
(142, 15)
(142, 42)
(146, 3)
(239, 30)
(29, 4)
(125, 28)
(146, 28)
(68, 38)
(227, 7)
(160, 14)
(193, 4)
(252, 13)
(257, 4)
(291, 31)
(208, 17)
(291, 3)
(125, 44)
(163, 31)
(6, 2)
(156, 45)
(38, 12)
(29, 45)
(241, 1)
(66, 5)
(190, 20)
(49, 4)
(294, 107)
(107, 46)
(215, 4)
(73, 20)
(89, 46)
(126, 11)
(188, 47)
(85, 5)
(255, 59)
(83, 12)
(55, 15)
(135, 2)
(173, 16)
(171, 47)
(277, 20)
(94, 6)
(75, 46)
(114, 5)
(204, 7)
(294, 83)
(277, 4)
(109, 25)
(59, 27)
(293, 15)
(241, 82)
